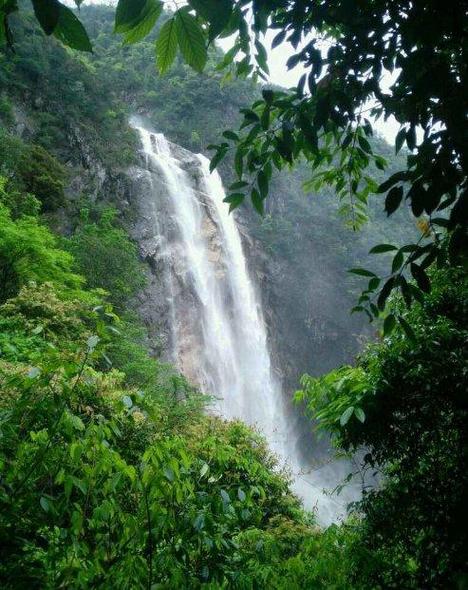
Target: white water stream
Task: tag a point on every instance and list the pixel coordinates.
(219, 333)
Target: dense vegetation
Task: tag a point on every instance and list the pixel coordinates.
(111, 474)
(405, 403)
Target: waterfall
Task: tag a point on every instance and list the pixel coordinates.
(218, 329)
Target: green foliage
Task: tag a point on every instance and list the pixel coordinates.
(36, 319)
(288, 555)
(6, 110)
(33, 177)
(11, 150)
(291, 555)
(166, 46)
(107, 258)
(108, 476)
(191, 39)
(28, 252)
(153, 11)
(17, 202)
(147, 489)
(405, 405)
(109, 469)
(59, 20)
(102, 484)
(177, 399)
(70, 31)
(43, 176)
(66, 100)
(129, 13)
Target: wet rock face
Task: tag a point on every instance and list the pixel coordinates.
(141, 194)
(153, 302)
(309, 325)
(306, 312)
(23, 124)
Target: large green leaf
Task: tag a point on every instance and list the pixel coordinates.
(389, 324)
(346, 415)
(191, 39)
(166, 46)
(380, 248)
(407, 329)
(216, 12)
(385, 292)
(394, 179)
(71, 32)
(362, 272)
(234, 200)
(263, 184)
(216, 159)
(153, 11)
(257, 201)
(421, 277)
(399, 140)
(393, 199)
(360, 414)
(47, 13)
(128, 14)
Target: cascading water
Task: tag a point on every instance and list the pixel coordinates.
(218, 331)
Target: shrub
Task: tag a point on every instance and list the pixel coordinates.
(107, 257)
(28, 252)
(18, 203)
(95, 493)
(405, 403)
(6, 110)
(43, 176)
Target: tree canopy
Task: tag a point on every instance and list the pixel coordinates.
(405, 404)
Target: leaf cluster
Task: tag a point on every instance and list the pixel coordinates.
(28, 252)
(404, 406)
(101, 483)
(105, 255)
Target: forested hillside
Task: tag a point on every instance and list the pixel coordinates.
(112, 472)
(77, 106)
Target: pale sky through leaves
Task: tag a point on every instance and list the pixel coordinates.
(279, 73)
